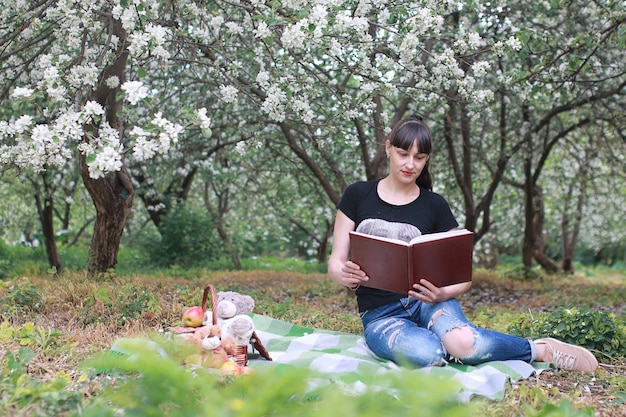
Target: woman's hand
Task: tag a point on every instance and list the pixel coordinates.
(352, 276)
(427, 292)
(340, 268)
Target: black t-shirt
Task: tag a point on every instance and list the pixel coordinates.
(430, 213)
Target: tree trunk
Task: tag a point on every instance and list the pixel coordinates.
(570, 236)
(322, 250)
(234, 254)
(47, 224)
(218, 214)
(112, 194)
(44, 201)
(528, 244)
(539, 240)
(113, 198)
(534, 215)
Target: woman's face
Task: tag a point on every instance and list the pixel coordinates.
(406, 165)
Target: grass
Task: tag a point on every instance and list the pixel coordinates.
(64, 320)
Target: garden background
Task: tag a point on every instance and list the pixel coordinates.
(147, 142)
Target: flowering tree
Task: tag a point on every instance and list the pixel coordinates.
(571, 84)
(65, 66)
(491, 79)
(312, 85)
(582, 186)
(331, 78)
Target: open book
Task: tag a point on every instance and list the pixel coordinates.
(442, 258)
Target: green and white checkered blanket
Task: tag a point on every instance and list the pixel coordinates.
(345, 359)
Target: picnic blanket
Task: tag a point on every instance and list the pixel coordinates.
(346, 360)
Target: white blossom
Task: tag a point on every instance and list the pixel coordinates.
(262, 78)
(482, 96)
(113, 81)
(514, 43)
(346, 22)
(228, 93)
(138, 43)
(135, 91)
(481, 68)
(84, 75)
(294, 35)
(168, 132)
(262, 31)
(22, 92)
(144, 148)
(498, 48)
(318, 18)
(161, 52)
(156, 207)
(474, 40)
(159, 140)
(109, 159)
(158, 34)
(303, 108)
(335, 48)
(22, 124)
(427, 20)
(127, 15)
(216, 22)
(70, 124)
(234, 28)
(93, 108)
(205, 121)
(274, 104)
(240, 148)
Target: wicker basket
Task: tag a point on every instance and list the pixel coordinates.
(240, 353)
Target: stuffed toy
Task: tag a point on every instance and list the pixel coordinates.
(232, 316)
(207, 337)
(243, 304)
(233, 311)
(214, 349)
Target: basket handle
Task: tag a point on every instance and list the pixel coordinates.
(205, 298)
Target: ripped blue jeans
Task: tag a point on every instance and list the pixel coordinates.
(409, 332)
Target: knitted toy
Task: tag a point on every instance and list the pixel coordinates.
(232, 316)
(233, 311)
(215, 349)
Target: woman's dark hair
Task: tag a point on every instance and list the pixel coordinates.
(404, 134)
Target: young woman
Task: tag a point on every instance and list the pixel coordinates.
(426, 326)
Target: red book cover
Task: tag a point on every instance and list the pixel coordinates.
(442, 258)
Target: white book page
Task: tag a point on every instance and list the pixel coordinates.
(441, 235)
(383, 239)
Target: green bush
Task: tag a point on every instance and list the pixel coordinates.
(188, 238)
(596, 330)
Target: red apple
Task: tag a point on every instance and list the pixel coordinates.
(193, 317)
